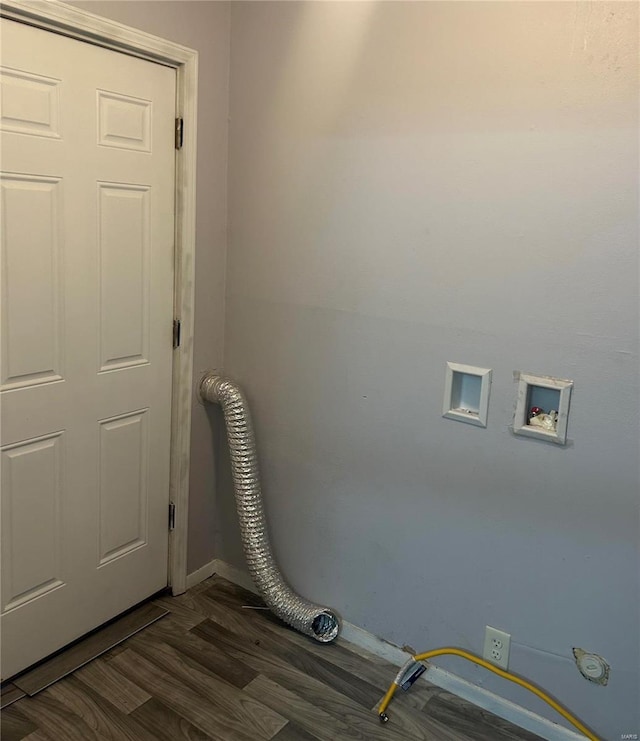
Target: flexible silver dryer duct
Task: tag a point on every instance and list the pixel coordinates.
(313, 620)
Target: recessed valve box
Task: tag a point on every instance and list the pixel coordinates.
(542, 407)
(466, 394)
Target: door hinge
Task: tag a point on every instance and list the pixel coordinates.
(172, 516)
(176, 333)
(179, 132)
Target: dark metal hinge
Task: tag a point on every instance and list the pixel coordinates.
(179, 132)
(176, 333)
(172, 516)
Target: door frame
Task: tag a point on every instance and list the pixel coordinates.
(59, 18)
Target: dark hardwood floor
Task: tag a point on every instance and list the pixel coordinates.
(218, 668)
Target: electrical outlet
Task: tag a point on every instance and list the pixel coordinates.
(496, 647)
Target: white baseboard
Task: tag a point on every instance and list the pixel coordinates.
(204, 572)
(466, 690)
(462, 688)
(223, 569)
(497, 705)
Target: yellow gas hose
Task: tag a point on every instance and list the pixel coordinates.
(501, 673)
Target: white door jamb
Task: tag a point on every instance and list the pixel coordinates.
(79, 24)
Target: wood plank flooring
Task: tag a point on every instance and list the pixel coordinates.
(10, 694)
(86, 650)
(217, 669)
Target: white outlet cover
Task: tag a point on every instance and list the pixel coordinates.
(497, 645)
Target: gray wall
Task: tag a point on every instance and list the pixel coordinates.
(422, 182)
(203, 26)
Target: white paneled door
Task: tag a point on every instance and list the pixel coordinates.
(87, 305)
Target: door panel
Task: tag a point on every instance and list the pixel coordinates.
(30, 103)
(32, 485)
(31, 320)
(124, 237)
(124, 469)
(87, 308)
(124, 122)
